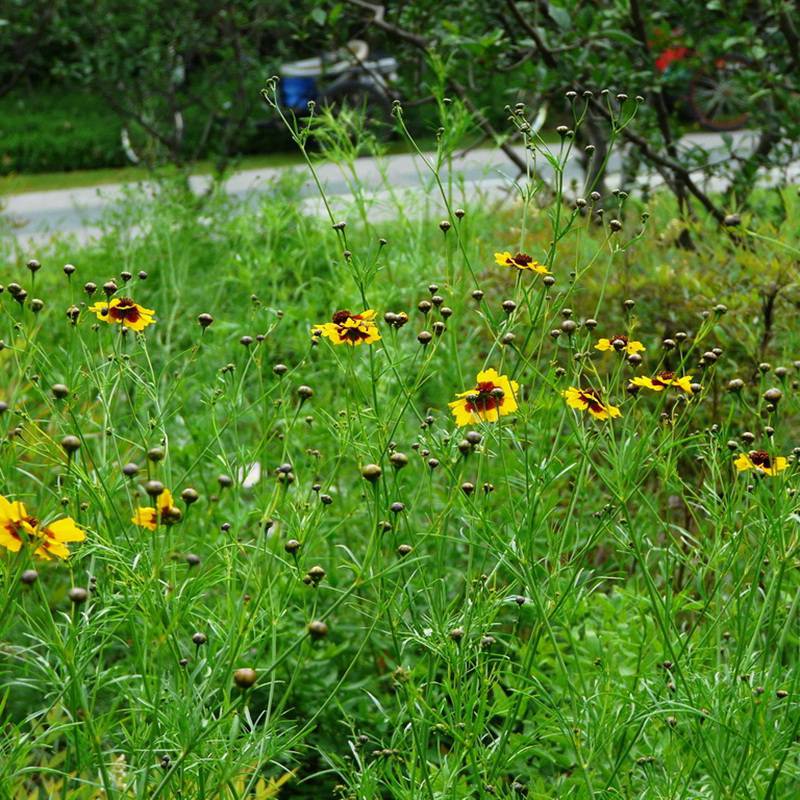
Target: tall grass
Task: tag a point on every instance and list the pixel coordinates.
(549, 605)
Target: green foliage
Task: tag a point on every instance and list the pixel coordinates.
(57, 130)
(611, 611)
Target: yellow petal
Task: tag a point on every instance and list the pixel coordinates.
(145, 518)
(65, 530)
(575, 399)
(743, 463)
(165, 501)
(647, 383)
(8, 541)
(603, 345)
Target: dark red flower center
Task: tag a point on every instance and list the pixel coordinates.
(349, 334)
(619, 341)
(126, 309)
(761, 458)
(664, 378)
(340, 317)
(486, 396)
(13, 528)
(522, 259)
(592, 399)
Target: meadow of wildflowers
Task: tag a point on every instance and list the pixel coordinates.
(500, 503)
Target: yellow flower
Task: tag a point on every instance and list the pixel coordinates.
(123, 311)
(521, 261)
(760, 460)
(620, 343)
(590, 400)
(663, 380)
(165, 513)
(492, 397)
(17, 527)
(349, 328)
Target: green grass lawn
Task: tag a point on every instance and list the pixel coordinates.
(349, 592)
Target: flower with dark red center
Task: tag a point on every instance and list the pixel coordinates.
(761, 461)
(664, 380)
(590, 400)
(349, 328)
(17, 528)
(124, 311)
(620, 343)
(520, 261)
(165, 513)
(492, 397)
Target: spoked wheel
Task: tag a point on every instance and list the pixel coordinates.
(718, 97)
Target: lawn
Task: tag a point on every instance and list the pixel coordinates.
(470, 551)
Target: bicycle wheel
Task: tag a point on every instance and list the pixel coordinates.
(718, 98)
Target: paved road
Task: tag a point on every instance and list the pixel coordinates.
(37, 215)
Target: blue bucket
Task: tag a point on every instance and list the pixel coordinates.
(296, 92)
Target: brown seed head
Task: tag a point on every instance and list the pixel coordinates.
(245, 677)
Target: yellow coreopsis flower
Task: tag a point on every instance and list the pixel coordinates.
(520, 261)
(761, 461)
(349, 328)
(123, 311)
(165, 513)
(664, 380)
(492, 397)
(590, 400)
(18, 527)
(621, 344)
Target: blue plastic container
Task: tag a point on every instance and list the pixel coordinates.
(296, 92)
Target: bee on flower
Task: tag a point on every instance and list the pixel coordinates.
(761, 461)
(521, 261)
(165, 513)
(664, 380)
(492, 397)
(124, 311)
(349, 328)
(620, 343)
(18, 527)
(590, 400)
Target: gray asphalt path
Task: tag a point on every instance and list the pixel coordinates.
(38, 215)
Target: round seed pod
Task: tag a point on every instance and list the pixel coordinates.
(199, 638)
(77, 595)
(29, 577)
(398, 460)
(317, 629)
(189, 496)
(154, 488)
(245, 677)
(70, 444)
(371, 472)
(60, 391)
